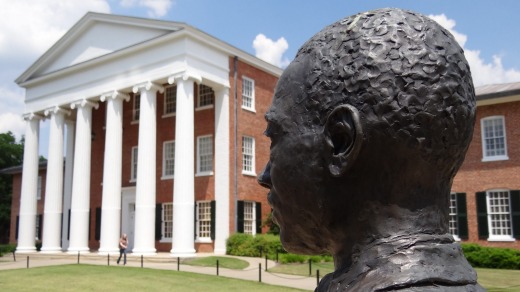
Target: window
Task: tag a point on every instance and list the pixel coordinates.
(167, 221)
(498, 215)
(493, 139)
(458, 217)
(248, 155)
(453, 222)
(38, 227)
(133, 171)
(168, 159)
(248, 94)
(137, 104)
(39, 190)
(203, 223)
(206, 95)
(249, 218)
(204, 155)
(170, 100)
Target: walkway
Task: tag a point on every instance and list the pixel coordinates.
(165, 262)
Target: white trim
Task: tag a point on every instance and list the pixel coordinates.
(204, 173)
(253, 99)
(133, 170)
(485, 157)
(198, 238)
(166, 239)
(163, 166)
(166, 88)
(201, 108)
(251, 172)
(136, 108)
(493, 237)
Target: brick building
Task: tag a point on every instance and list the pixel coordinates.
(161, 127)
(485, 199)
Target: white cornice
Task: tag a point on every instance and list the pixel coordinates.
(498, 100)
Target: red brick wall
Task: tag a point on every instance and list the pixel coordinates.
(250, 124)
(477, 176)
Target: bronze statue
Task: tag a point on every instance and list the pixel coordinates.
(369, 125)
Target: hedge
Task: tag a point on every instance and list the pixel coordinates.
(491, 257)
(7, 248)
(260, 245)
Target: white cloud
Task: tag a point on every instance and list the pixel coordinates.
(271, 51)
(482, 72)
(27, 29)
(156, 8)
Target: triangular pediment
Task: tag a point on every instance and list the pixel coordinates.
(94, 36)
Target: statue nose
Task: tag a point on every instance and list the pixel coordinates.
(264, 179)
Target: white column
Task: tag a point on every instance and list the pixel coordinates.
(80, 201)
(144, 236)
(27, 217)
(221, 169)
(67, 187)
(111, 201)
(54, 184)
(183, 243)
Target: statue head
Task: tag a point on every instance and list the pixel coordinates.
(369, 124)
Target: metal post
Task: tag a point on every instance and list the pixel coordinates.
(108, 259)
(178, 263)
(27, 261)
(310, 267)
(14, 256)
(217, 267)
(259, 272)
(141, 261)
(78, 257)
(266, 263)
(317, 277)
(261, 251)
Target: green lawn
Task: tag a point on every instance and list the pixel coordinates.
(491, 279)
(223, 262)
(113, 278)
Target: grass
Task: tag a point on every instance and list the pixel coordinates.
(491, 279)
(113, 278)
(223, 262)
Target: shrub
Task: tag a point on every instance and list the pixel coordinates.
(7, 248)
(492, 257)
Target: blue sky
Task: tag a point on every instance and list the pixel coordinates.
(270, 29)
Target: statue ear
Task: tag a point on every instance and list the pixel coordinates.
(344, 135)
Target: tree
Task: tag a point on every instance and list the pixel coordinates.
(11, 154)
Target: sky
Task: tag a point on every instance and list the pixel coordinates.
(272, 30)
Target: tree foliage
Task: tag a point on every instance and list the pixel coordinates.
(11, 154)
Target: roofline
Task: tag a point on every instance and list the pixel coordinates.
(22, 80)
(19, 168)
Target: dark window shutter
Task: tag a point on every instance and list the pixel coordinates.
(98, 224)
(40, 224)
(515, 213)
(258, 218)
(89, 230)
(195, 221)
(213, 219)
(462, 216)
(16, 230)
(482, 216)
(68, 227)
(240, 216)
(158, 221)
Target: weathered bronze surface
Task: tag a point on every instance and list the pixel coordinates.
(369, 125)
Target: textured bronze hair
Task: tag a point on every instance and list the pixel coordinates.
(406, 75)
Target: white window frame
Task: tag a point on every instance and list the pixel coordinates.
(201, 139)
(251, 97)
(39, 189)
(485, 156)
(499, 237)
(453, 220)
(164, 160)
(201, 236)
(166, 89)
(199, 95)
(166, 218)
(37, 225)
(246, 155)
(133, 167)
(136, 110)
(252, 220)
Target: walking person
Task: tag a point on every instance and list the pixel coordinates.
(123, 243)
